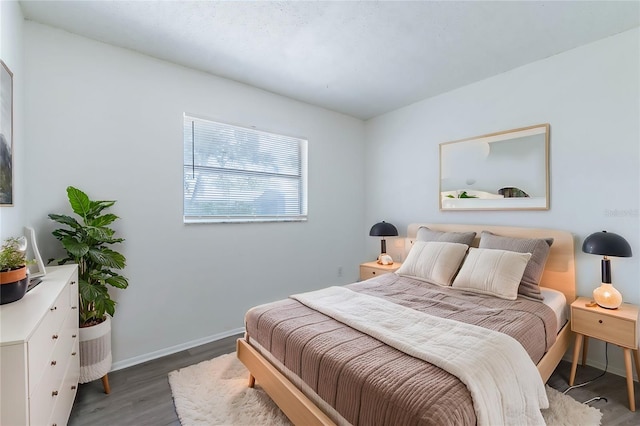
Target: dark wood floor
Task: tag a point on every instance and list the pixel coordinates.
(615, 409)
(140, 395)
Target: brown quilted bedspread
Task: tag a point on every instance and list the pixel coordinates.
(370, 383)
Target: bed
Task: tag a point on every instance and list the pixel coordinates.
(293, 389)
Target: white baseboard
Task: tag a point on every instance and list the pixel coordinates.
(173, 349)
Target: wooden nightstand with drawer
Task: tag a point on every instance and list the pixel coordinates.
(617, 326)
(374, 269)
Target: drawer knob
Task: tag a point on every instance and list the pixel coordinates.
(55, 336)
(74, 336)
(54, 393)
(373, 272)
(72, 282)
(53, 309)
(54, 362)
(73, 387)
(74, 307)
(600, 321)
(73, 353)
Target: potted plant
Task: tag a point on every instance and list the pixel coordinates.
(87, 241)
(13, 270)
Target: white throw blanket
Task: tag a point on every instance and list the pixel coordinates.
(504, 383)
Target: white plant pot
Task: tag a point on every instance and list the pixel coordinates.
(95, 351)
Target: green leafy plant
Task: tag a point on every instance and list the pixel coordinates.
(463, 194)
(87, 242)
(13, 254)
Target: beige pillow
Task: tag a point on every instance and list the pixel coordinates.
(494, 272)
(434, 262)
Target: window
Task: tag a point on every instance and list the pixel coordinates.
(236, 174)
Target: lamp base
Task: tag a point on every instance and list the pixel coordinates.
(607, 296)
(385, 259)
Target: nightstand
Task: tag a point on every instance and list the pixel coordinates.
(373, 269)
(617, 326)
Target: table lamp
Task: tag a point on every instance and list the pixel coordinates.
(383, 229)
(607, 244)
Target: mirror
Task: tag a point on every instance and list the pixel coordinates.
(507, 170)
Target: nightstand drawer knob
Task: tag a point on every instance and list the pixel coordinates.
(600, 321)
(373, 272)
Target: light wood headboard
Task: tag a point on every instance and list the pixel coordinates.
(559, 272)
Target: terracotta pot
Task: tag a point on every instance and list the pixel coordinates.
(13, 285)
(13, 275)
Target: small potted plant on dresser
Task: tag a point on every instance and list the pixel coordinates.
(87, 242)
(13, 270)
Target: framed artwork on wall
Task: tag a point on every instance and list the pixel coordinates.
(6, 135)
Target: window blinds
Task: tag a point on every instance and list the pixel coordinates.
(237, 174)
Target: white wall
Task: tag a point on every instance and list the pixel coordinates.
(11, 48)
(109, 121)
(591, 98)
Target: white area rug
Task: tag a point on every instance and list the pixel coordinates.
(215, 392)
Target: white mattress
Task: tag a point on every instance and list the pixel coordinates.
(558, 302)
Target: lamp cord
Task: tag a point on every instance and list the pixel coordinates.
(606, 366)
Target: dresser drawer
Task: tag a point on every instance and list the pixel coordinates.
(61, 354)
(68, 388)
(42, 401)
(619, 331)
(44, 339)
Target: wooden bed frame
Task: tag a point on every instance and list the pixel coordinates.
(559, 274)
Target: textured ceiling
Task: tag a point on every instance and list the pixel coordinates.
(359, 58)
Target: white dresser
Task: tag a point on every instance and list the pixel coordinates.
(39, 360)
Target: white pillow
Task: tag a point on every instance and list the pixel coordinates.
(435, 262)
(491, 271)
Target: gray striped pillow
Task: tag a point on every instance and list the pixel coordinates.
(539, 249)
(426, 234)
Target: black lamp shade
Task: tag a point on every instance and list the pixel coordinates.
(383, 229)
(606, 244)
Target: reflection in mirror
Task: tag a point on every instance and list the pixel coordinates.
(504, 170)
